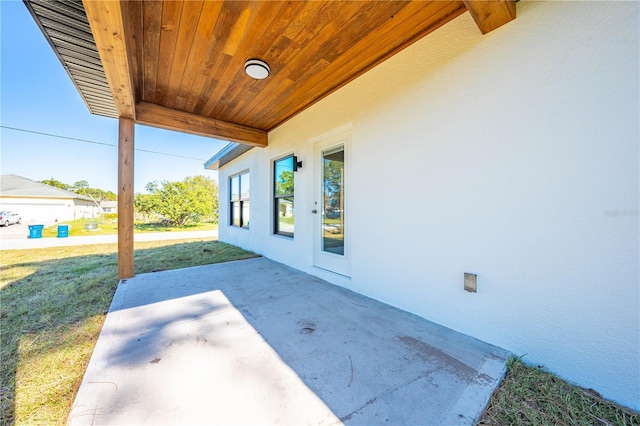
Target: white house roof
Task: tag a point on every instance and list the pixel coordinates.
(18, 186)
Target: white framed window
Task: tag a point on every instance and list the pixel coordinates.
(239, 199)
(283, 195)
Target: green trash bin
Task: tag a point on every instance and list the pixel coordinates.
(63, 231)
(35, 231)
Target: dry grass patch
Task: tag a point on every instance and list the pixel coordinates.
(53, 304)
(531, 396)
(50, 369)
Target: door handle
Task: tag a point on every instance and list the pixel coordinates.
(314, 211)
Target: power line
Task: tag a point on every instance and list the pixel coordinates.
(97, 143)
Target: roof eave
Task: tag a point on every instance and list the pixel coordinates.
(100, 102)
(227, 154)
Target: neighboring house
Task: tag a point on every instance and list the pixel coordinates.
(513, 156)
(38, 202)
(109, 206)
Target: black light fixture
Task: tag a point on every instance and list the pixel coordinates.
(296, 164)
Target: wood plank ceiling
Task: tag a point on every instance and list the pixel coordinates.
(180, 64)
(192, 53)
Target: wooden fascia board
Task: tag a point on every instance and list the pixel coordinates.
(171, 119)
(491, 14)
(106, 19)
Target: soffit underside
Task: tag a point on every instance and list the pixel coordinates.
(180, 64)
(65, 26)
(190, 55)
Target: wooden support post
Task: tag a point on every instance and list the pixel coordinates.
(125, 197)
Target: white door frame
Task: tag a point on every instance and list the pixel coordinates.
(336, 263)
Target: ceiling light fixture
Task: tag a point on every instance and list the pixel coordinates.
(255, 68)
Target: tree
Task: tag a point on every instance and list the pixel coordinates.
(82, 187)
(333, 184)
(284, 185)
(56, 183)
(100, 195)
(180, 202)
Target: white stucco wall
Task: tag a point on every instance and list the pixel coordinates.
(514, 156)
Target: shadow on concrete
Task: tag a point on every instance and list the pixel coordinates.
(257, 342)
(50, 296)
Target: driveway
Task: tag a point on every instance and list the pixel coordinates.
(15, 231)
(256, 342)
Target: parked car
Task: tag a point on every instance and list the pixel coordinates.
(8, 218)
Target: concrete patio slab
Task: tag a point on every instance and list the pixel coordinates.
(256, 342)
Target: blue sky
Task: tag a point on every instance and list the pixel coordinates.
(37, 94)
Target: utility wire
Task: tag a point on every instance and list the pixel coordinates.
(98, 143)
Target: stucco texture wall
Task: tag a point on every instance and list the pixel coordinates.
(513, 155)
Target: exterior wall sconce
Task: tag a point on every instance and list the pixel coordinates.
(256, 68)
(296, 164)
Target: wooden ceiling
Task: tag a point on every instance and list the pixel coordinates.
(180, 64)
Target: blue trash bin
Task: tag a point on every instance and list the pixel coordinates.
(63, 231)
(35, 231)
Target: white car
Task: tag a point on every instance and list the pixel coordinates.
(8, 218)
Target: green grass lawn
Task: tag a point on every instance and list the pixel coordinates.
(53, 305)
(78, 228)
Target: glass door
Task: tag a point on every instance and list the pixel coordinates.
(332, 189)
(330, 206)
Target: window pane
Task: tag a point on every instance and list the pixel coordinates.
(284, 176)
(239, 193)
(235, 213)
(244, 186)
(235, 188)
(245, 214)
(284, 210)
(333, 201)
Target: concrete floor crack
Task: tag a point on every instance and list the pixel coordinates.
(382, 395)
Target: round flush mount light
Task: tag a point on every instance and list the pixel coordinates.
(255, 68)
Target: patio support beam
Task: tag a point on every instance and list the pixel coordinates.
(106, 19)
(491, 14)
(125, 197)
(181, 121)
